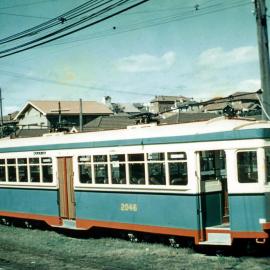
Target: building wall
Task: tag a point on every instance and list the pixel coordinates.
(70, 120)
(33, 118)
(161, 106)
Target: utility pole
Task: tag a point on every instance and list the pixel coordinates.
(60, 110)
(263, 49)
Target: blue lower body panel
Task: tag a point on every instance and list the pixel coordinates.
(30, 201)
(165, 210)
(246, 210)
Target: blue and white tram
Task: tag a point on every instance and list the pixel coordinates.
(209, 181)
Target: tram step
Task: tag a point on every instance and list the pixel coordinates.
(218, 239)
(69, 224)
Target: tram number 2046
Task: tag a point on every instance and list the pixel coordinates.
(130, 207)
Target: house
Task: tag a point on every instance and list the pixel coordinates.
(123, 108)
(9, 124)
(244, 104)
(161, 104)
(37, 114)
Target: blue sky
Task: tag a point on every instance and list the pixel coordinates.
(163, 47)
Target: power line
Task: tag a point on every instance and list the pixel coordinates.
(156, 21)
(152, 23)
(49, 24)
(21, 15)
(118, 4)
(27, 4)
(82, 86)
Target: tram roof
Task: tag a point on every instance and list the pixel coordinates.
(218, 129)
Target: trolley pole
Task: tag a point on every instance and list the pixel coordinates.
(81, 116)
(263, 50)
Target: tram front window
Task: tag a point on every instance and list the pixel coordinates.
(247, 167)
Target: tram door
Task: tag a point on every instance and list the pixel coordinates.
(213, 185)
(66, 188)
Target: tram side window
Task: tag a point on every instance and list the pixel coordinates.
(2, 170)
(267, 165)
(136, 169)
(156, 168)
(85, 170)
(118, 169)
(247, 167)
(47, 170)
(22, 170)
(101, 169)
(11, 165)
(213, 165)
(177, 162)
(34, 168)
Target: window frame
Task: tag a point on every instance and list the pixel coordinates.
(257, 167)
(27, 169)
(183, 160)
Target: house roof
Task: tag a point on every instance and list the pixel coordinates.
(237, 96)
(10, 117)
(26, 133)
(186, 117)
(215, 106)
(168, 98)
(50, 107)
(244, 96)
(237, 106)
(109, 122)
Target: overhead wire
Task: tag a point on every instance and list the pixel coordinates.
(141, 25)
(151, 23)
(38, 29)
(65, 15)
(38, 79)
(118, 4)
(26, 4)
(48, 24)
(23, 15)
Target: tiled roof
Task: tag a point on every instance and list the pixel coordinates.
(129, 108)
(237, 96)
(109, 122)
(186, 117)
(168, 98)
(236, 106)
(10, 117)
(244, 95)
(215, 106)
(67, 107)
(26, 133)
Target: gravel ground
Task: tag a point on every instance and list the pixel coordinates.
(42, 249)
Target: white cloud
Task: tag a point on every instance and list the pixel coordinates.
(249, 85)
(146, 62)
(218, 58)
